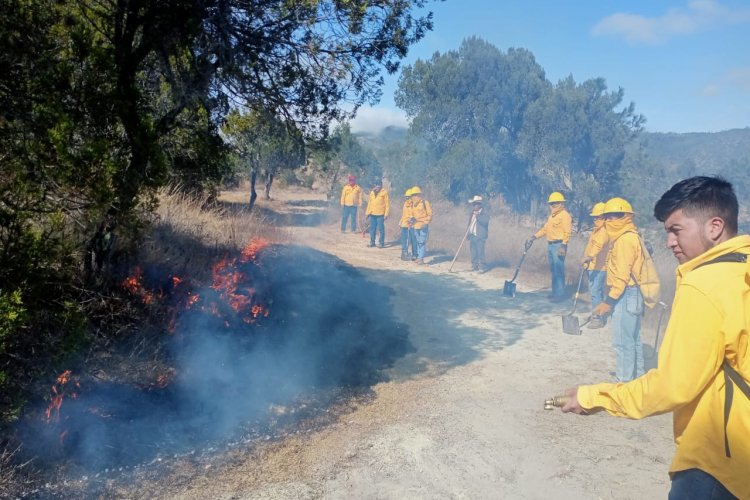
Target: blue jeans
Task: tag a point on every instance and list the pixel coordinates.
(626, 334)
(597, 279)
(694, 484)
(407, 238)
(557, 269)
(422, 233)
(346, 212)
(377, 223)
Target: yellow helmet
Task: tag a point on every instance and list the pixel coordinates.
(556, 197)
(416, 190)
(408, 193)
(597, 209)
(617, 205)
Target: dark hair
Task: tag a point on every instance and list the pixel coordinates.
(700, 196)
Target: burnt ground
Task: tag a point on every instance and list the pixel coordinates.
(455, 412)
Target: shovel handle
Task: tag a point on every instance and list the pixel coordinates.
(459, 248)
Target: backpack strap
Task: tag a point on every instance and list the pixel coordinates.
(731, 376)
(736, 257)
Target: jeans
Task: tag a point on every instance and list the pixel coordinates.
(422, 233)
(407, 238)
(346, 212)
(557, 269)
(597, 279)
(694, 484)
(377, 223)
(477, 251)
(626, 334)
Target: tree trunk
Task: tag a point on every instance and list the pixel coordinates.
(253, 193)
(269, 182)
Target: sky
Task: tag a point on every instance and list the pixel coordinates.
(684, 63)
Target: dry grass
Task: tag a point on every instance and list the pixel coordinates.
(189, 235)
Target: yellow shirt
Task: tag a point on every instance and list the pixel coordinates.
(405, 214)
(378, 204)
(708, 323)
(422, 211)
(559, 225)
(351, 196)
(597, 248)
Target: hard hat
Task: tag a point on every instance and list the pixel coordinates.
(408, 193)
(476, 199)
(556, 197)
(617, 205)
(597, 209)
(416, 190)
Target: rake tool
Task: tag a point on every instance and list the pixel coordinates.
(658, 329)
(466, 234)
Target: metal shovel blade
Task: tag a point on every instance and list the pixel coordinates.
(509, 289)
(571, 325)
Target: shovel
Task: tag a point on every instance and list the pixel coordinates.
(655, 351)
(509, 289)
(569, 321)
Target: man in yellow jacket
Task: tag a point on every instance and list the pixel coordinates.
(595, 261)
(421, 216)
(705, 345)
(557, 229)
(623, 300)
(407, 230)
(378, 207)
(351, 199)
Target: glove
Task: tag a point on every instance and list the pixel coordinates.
(602, 310)
(562, 251)
(585, 262)
(528, 243)
(412, 220)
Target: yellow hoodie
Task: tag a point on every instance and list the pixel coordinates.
(708, 324)
(559, 225)
(625, 255)
(598, 247)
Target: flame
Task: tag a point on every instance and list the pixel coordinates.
(250, 252)
(134, 285)
(58, 394)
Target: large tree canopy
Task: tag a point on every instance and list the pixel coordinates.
(492, 123)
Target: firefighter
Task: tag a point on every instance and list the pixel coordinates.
(557, 229)
(378, 207)
(704, 364)
(351, 199)
(623, 300)
(406, 228)
(595, 261)
(421, 215)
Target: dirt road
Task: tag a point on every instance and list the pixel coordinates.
(461, 416)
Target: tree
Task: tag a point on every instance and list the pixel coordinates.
(472, 101)
(574, 139)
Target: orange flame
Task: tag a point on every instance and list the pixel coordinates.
(53, 409)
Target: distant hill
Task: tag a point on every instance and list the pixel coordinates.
(698, 153)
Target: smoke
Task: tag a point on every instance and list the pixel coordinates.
(326, 328)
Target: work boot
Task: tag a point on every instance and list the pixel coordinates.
(419, 261)
(404, 256)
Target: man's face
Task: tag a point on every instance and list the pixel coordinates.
(553, 206)
(688, 237)
(376, 188)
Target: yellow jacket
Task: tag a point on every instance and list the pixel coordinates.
(625, 255)
(708, 323)
(405, 214)
(378, 204)
(422, 211)
(351, 196)
(559, 225)
(597, 248)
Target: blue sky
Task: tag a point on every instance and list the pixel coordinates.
(685, 63)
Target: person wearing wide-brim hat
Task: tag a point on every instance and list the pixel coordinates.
(479, 222)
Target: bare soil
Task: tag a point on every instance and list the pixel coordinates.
(460, 417)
